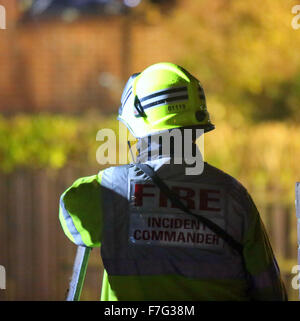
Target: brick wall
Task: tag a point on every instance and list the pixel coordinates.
(59, 66)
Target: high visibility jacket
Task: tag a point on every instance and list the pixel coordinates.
(153, 251)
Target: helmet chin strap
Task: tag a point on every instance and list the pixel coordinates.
(138, 107)
(131, 152)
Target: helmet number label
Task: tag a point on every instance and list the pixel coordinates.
(176, 108)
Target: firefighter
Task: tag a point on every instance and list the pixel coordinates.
(151, 249)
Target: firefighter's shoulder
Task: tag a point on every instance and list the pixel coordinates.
(235, 190)
(220, 177)
(80, 211)
(113, 176)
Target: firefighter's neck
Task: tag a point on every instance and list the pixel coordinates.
(152, 148)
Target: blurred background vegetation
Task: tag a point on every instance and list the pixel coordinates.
(63, 66)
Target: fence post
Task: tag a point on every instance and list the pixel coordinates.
(297, 202)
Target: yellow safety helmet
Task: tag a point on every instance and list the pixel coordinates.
(162, 97)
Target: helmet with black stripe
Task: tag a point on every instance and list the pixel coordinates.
(162, 97)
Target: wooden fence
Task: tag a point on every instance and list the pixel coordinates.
(38, 257)
(35, 252)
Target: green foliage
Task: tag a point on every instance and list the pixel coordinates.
(48, 141)
(244, 52)
(259, 156)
